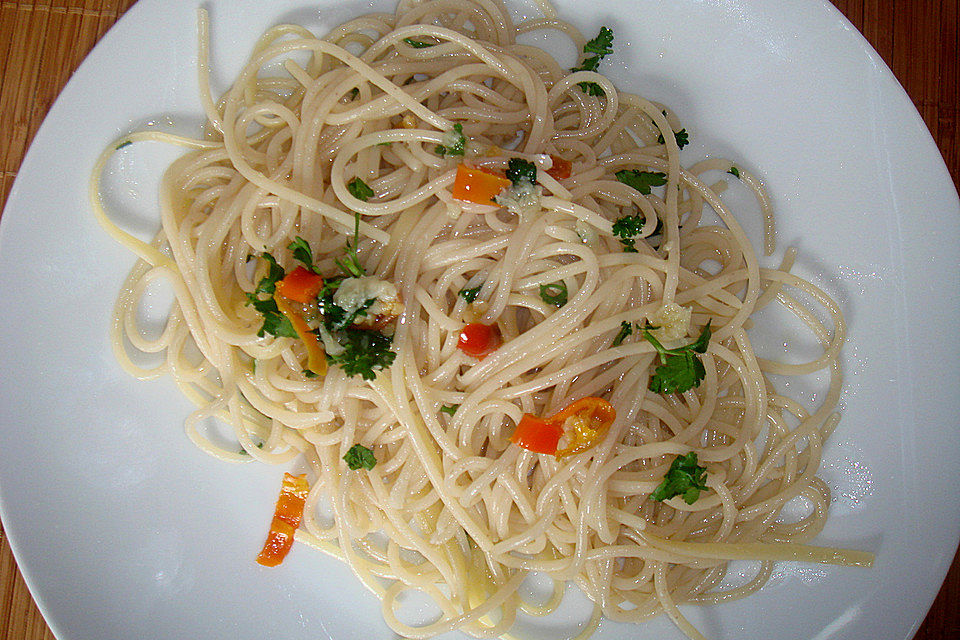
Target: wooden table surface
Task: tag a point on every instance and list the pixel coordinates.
(43, 41)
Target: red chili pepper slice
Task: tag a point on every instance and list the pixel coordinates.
(479, 340)
(561, 169)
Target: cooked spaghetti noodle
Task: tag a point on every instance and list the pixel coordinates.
(452, 507)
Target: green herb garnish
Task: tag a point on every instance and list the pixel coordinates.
(685, 478)
(360, 190)
(417, 44)
(641, 180)
(351, 263)
(682, 138)
(274, 322)
(125, 143)
(600, 46)
(268, 283)
(681, 368)
(302, 252)
(449, 409)
(625, 228)
(457, 142)
(625, 330)
(554, 293)
(470, 294)
(359, 457)
(734, 172)
(520, 170)
(308, 374)
(364, 353)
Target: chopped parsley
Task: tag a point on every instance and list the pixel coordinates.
(274, 322)
(681, 368)
(354, 93)
(336, 318)
(449, 409)
(554, 293)
(360, 190)
(455, 142)
(520, 171)
(642, 180)
(734, 172)
(625, 228)
(625, 330)
(308, 374)
(682, 138)
(364, 350)
(268, 283)
(244, 452)
(302, 252)
(417, 44)
(351, 263)
(125, 143)
(359, 457)
(364, 353)
(600, 47)
(470, 294)
(685, 478)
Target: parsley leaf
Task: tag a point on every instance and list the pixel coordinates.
(449, 409)
(642, 180)
(625, 330)
(365, 350)
(125, 143)
(274, 322)
(470, 294)
(591, 88)
(456, 142)
(600, 46)
(682, 138)
(734, 172)
(351, 263)
(268, 284)
(360, 190)
(302, 252)
(359, 457)
(626, 227)
(520, 170)
(417, 44)
(364, 353)
(336, 318)
(685, 478)
(308, 374)
(554, 293)
(682, 369)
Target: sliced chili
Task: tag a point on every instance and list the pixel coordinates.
(286, 519)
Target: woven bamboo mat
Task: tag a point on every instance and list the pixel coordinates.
(42, 42)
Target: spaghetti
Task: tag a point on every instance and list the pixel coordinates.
(594, 268)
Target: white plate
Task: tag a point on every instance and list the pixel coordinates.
(123, 530)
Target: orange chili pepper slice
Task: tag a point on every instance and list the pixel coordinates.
(316, 357)
(477, 185)
(286, 519)
(584, 422)
(301, 285)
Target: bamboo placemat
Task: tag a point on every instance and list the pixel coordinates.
(42, 42)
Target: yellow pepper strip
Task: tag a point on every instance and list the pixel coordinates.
(316, 358)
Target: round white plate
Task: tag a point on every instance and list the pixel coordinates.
(124, 530)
